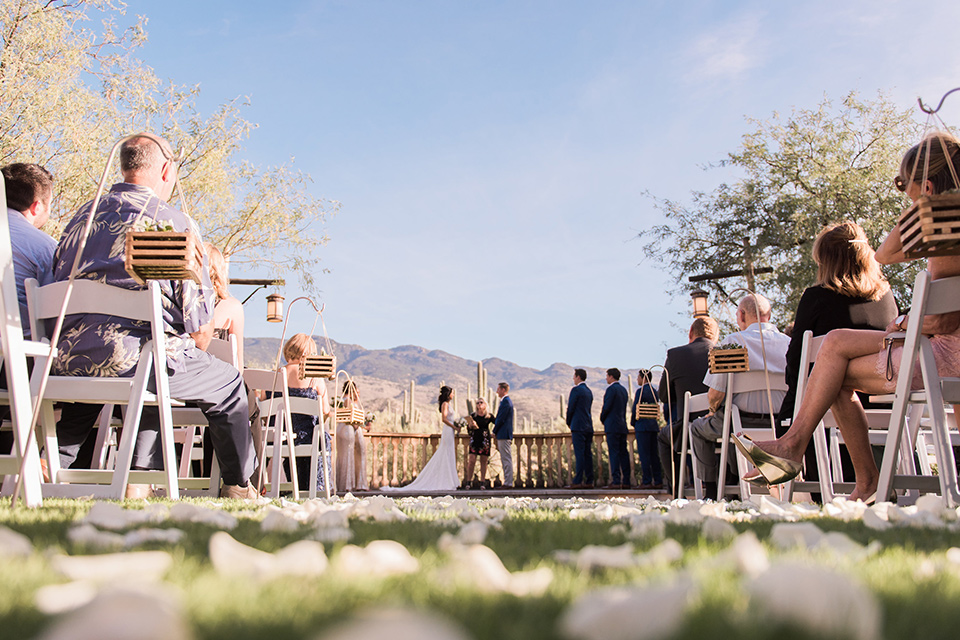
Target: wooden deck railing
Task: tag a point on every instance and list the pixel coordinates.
(540, 460)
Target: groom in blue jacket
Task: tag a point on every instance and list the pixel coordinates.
(581, 429)
(503, 432)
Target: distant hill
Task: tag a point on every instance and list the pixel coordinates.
(384, 374)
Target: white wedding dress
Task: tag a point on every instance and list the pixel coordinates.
(440, 472)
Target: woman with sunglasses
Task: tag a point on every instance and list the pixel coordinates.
(853, 360)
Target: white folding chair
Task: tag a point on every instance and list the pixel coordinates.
(691, 404)
(94, 297)
(14, 351)
(281, 433)
(743, 382)
(316, 449)
(930, 297)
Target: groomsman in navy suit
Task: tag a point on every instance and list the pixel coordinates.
(581, 429)
(503, 432)
(613, 415)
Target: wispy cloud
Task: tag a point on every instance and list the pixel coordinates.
(726, 52)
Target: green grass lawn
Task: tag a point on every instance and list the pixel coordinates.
(917, 588)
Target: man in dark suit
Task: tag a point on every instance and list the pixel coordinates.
(613, 415)
(581, 428)
(685, 369)
(503, 432)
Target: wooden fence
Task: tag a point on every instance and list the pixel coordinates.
(542, 460)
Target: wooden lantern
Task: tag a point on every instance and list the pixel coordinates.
(353, 415)
(728, 360)
(647, 410)
(931, 226)
(320, 366)
(163, 255)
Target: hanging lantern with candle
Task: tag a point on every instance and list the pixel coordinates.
(274, 307)
(700, 308)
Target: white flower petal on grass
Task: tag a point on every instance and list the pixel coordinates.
(138, 537)
(88, 535)
(277, 520)
(688, 513)
(331, 518)
(667, 552)
(746, 556)
(186, 512)
(232, 558)
(931, 503)
(599, 557)
(124, 614)
(953, 555)
(789, 535)
(717, 530)
(134, 566)
(379, 558)
(819, 600)
(876, 518)
(652, 526)
(396, 624)
(54, 599)
(840, 544)
(494, 515)
(110, 515)
(331, 534)
(379, 509)
(13, 544)
(480, 567)
(620, 613)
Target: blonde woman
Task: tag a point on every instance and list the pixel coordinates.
(295, 349)
(855, 360)
(228, 313)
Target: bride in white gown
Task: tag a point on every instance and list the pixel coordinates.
(440, 472)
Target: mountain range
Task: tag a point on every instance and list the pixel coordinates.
(382, 375)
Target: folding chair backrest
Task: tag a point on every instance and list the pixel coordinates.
(13, 354)
(225, 350)
(266, 380)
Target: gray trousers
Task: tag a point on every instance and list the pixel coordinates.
(705, 433)
(505, 447)
(217, 389)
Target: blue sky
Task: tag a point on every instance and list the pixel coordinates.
(492, 158)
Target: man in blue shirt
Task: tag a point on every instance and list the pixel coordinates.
(29, 189)
(613, 415)
(580, 422)
(29, 194)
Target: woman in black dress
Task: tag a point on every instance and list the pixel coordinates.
(479, 430)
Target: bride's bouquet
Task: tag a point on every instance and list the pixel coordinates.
(461, 423)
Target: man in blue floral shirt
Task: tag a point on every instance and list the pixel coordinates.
(105, 345)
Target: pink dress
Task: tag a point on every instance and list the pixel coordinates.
(946, 353)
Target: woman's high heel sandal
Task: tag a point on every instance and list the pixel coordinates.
(774, 469)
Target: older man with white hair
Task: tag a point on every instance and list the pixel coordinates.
(104, 345)
(768, 352)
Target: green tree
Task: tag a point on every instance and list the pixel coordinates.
(71, 90)
(815, 167)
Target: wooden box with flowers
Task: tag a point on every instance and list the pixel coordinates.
(163, 255)
(729, 358)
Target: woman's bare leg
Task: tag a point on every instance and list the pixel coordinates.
(847, 359)
(852, 422)
(483, 469)
(471, 461)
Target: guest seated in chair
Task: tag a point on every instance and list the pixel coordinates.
(855, 360)
(228, 311)
(104, 345)
(296, 348)
(753, 405)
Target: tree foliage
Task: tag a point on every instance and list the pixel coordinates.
(800, 173)
(70, 90)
